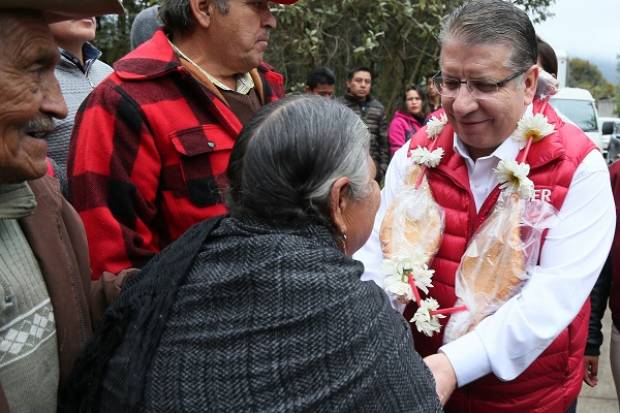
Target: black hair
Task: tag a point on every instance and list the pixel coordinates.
(320, 76)
(359, 69)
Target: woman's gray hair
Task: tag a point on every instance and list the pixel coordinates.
(176, 15)
(494, 22)
(288, 157)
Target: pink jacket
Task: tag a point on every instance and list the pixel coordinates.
(402, 127)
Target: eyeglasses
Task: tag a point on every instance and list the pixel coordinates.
(479, 89)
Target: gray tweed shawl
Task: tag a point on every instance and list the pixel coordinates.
(277, 320)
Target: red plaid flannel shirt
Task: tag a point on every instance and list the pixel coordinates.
(148, 155)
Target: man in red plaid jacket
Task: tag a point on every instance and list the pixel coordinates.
(151, 144)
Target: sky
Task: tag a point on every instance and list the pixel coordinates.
(585, 29)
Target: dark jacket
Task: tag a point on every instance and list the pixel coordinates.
(373, 114)
(608, 284)
(254, 318)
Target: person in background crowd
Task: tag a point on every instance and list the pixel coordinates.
(359, 99)
(79, 71)
(144, 26)
(607, 287)
(151, 143)
(528, 355)
(289, 326)
(46, 310)
(434, 99)
(321, 81)
(407, 120)
(547, 58)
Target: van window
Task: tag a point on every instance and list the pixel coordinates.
(579, 111)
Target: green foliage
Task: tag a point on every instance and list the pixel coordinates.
(113, 31)
(585, 75)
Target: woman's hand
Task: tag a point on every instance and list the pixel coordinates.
(445, 378)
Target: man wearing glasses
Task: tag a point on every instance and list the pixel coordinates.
(528, 355)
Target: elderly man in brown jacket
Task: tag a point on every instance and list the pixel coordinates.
(47, 303)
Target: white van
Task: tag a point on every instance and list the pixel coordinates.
(579, 106)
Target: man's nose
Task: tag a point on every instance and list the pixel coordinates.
(463, 102)
(53, 103)
(269, 20)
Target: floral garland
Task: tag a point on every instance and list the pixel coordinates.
(408, 274)
(435, 125)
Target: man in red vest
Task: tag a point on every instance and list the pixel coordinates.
(528, 355)
(151, 143)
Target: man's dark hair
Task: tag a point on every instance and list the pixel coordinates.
(359, 69)
(320, 76)
(547, 57)
(494, 22)
(176, 15)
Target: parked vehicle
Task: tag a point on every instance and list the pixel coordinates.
(579, 106)
(606, 137)
(611, 127)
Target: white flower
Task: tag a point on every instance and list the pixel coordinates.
(423, 277)
(426, 323)
(399, 270)
(534, 127)
(395, 285)
(422, 156)
(435, 125)
(512, 177)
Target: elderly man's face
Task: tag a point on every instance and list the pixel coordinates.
(482, 125)
(241, 35)
(29, 95)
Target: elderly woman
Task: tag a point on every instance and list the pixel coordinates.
(264, 310)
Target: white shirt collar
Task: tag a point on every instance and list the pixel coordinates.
(509, 149)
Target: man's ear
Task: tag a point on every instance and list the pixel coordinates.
(531, 82)
(338, 204)
(202, 10)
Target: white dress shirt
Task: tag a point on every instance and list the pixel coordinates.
(575, 249)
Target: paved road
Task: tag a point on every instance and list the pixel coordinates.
(602, 398)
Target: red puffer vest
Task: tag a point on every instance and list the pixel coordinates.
(553, 381)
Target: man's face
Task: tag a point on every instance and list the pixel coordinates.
(482, 125)
(360, 83)
(72, 31)
(29, 95)
(241, 35)
(324, 90)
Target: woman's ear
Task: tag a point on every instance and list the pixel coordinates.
(338, 204)
(202, 11)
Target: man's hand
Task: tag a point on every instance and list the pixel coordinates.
(445, 378)
(590, 375)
